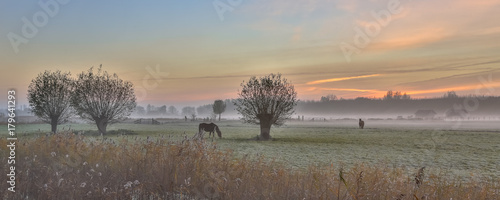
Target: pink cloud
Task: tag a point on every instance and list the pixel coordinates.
(411, 38)
(347, 5)
(297, 34)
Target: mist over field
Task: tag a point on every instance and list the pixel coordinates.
(260, 99)
(458, 108)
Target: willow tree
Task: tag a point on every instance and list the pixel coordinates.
(49, 96)
(103, 98)
(266, 101)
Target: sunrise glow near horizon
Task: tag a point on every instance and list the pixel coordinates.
(191, 52)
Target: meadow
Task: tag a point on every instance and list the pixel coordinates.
(387, 154)
(470, 148)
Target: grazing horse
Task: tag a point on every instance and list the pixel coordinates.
(361, 124)
(209, 128)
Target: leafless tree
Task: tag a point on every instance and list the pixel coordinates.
(267, 101)
(103, 98)
(49, 97)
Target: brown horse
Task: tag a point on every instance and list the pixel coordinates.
(361, 124)
(209, 128)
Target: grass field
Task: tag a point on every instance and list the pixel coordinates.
(305, 160)
(459, 149)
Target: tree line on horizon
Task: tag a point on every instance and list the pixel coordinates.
(207, 110)
(389, 96)
(310, 106)
(396, 103)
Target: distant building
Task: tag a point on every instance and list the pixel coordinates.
(456, 113)
(425, 114)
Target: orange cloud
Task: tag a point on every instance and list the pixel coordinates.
(350, 89)
(340, 79)
(406, 39)
(459, 88)
(369, 92)
(380, 93)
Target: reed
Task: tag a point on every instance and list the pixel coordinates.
(67, 166)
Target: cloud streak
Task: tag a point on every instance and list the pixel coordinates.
(340, 79)
(352, 90)
(380, 94)
(458, 88)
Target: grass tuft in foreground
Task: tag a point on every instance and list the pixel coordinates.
(66, 166)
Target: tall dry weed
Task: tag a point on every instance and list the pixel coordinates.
(66, 166)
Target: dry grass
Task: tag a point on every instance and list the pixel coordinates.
(66, 166)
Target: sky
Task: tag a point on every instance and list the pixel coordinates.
(194, 52)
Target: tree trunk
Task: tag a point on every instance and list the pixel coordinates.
(265, 126)
(101, 126)
(53, 124)
(219, 117)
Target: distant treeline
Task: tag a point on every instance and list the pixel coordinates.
(391, 105)
(454, 105)
(202, 111)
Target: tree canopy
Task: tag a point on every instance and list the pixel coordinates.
(49, 97)
(219, 107)
(103, 98)
(267, 100)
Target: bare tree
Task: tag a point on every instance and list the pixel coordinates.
(328, 98)
(266, 101)
(397, 95)
(204, 109)
(450, 95)
(102, 98)
(389, 95)
(219, 107)
(49, 96)
(162, 110)
(173, 110)
(188, 111)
